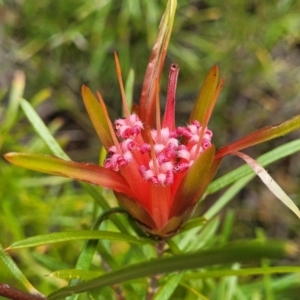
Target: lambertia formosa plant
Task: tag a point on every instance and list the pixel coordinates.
(159, 171)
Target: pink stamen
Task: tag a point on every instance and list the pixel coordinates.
(128, 127)
(145, 148)
(152, 152)
(181, 167)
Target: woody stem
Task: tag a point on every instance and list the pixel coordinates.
(10, 292)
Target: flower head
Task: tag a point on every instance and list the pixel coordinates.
(158, 171)
(154, 161)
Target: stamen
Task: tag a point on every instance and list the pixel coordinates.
(145, 148)
(169, 178)
(128, 127)
(153, 157)
(180, 167)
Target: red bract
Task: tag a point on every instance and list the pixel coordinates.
(157, 171)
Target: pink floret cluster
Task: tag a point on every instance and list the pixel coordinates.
(161, 158)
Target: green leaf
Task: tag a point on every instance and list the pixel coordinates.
(227, 196)
(86, 255)
(269, 182)
(15, 96)
(173, 247)
(41, 129)
(75, 274)
(279, 284)
(58, 237)
(16, 272)
(205, 236)
(166, 291)
(85, 258)
(192, 223)
(235, 252)
(242, 272)
(80, 171)
(129, 86)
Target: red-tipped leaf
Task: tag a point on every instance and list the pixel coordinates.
(206, 96)
(262, 135)
(80, 171)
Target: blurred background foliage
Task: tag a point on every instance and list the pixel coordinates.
(62, 44)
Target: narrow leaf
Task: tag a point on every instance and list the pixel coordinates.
(85, 258)
(97, 116)
(15, 95)
(166, 291)
(79, 171)
(57, 237)
(192, 223)
(269, 182)
(227, 196)
(16, 272)
(155, 65)
(236, 252)
(242, 272)
(262, 135)
(129, 86)
(41, 129)
(206, 96)
(75, 274)
(86, 255)
(193, 184)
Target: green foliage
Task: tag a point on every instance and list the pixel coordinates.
(60, 45)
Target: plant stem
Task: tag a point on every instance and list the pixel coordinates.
(15, 294)
(116, 287)
(153, 286)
